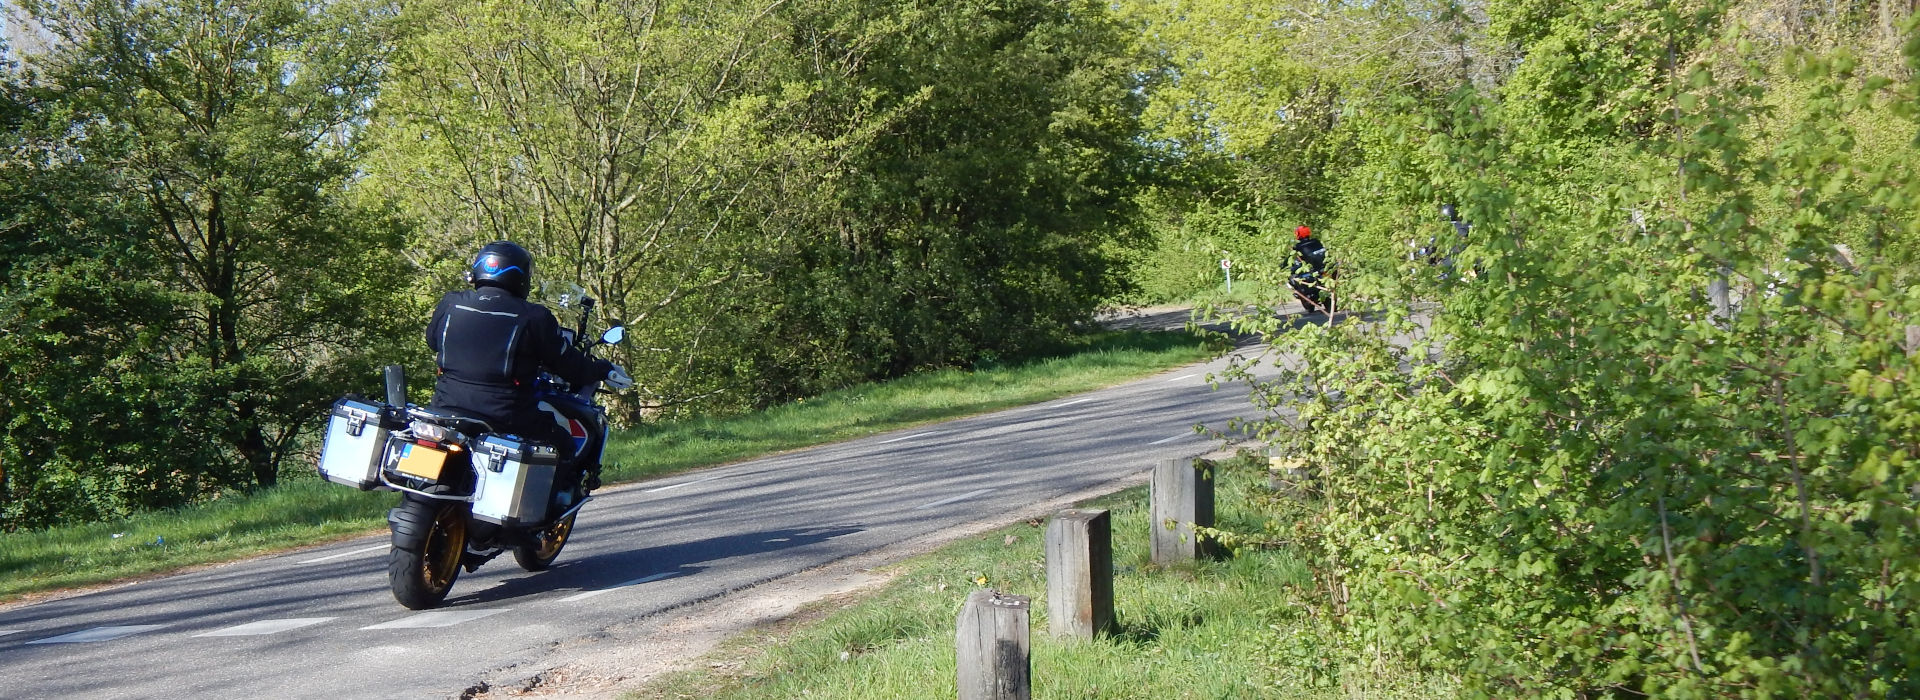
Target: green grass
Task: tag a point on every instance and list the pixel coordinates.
(1244, 293)
(1099, 361)
(1236, 628)
(306, 510)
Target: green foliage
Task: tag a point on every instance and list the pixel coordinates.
(782, 200)
(189, 287)
(1652, 429)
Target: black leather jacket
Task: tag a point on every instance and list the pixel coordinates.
(1311, 257)
(490, 345)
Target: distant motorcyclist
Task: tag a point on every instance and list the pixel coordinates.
(490, 343)
(1309, 274)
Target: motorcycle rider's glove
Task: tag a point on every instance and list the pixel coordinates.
(617, 379)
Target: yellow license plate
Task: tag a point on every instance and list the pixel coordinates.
(421, 461)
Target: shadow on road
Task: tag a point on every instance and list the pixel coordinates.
(609, 570)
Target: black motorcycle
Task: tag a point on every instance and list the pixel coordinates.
(468, 493)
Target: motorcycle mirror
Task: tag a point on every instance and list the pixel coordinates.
(614, 335)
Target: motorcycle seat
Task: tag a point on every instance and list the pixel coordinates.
(449, 419)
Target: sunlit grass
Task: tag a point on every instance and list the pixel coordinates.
(306, 510)
(1237, 628)
(1102, 360)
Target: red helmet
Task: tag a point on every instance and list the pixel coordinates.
(1302, 232)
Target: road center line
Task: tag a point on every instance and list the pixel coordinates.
(437, 618)
(955, 499)
(1183, 376)
(1171, 439)
(618, 586)
(265, 627)
(4, 633)
(97, 634)
(1075, 401)
(910, 437)
(344, 555)
(684, 483)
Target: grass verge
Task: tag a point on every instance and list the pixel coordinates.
(1098, 361)
(305, 510)
(1237, 628)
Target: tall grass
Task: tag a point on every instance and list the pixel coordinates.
(305, 510)
(1236, 628)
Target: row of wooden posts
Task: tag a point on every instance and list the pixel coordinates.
(992, 646)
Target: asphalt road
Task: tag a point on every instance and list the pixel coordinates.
(320, 622)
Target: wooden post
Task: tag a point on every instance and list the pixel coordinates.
(1913, 340)
(1182, 494)
(992, 649)
(1080, 574)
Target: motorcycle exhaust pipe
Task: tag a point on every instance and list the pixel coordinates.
(397, 386)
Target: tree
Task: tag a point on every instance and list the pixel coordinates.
(778, 197)
(225, 131)
(654, 153)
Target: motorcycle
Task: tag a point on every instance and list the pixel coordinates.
(468, 493)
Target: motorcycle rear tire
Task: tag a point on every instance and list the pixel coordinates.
(421, 577)
(552, 540)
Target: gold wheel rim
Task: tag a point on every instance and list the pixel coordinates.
(442, 560)
(555, 537)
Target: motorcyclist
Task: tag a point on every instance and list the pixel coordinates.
(490, 343)
(1309, 270)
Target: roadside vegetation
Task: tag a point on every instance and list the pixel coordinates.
(1657, 428)
(221, 216)
(306, 510)
(1204, 630)
(1655, 432)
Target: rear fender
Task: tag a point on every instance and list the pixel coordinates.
(410, 523)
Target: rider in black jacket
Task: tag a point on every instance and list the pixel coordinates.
(490, 343)
(1309, 274)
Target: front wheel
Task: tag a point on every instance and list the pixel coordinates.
(422, 575)
(538, 558)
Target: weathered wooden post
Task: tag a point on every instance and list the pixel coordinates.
(1080, 574)
(1182, 497)
(992, 648)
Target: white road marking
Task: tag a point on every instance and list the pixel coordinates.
(4, 633)
(344, 555)
(97, 634)
(437, 618)
(1183, 376)
(618, 586)
(1070, 403)
(683, 483)
(265, 627)
(955, 499)
(1171, 439)
(910, 437)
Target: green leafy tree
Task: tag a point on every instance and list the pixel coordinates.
(655, 153)
(777, 198)
(1653, 430)
(984, 217)
(233, 291)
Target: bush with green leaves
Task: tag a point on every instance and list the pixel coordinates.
(1656, 427)
(186, 284)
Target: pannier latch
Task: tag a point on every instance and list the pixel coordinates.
(356, 424)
